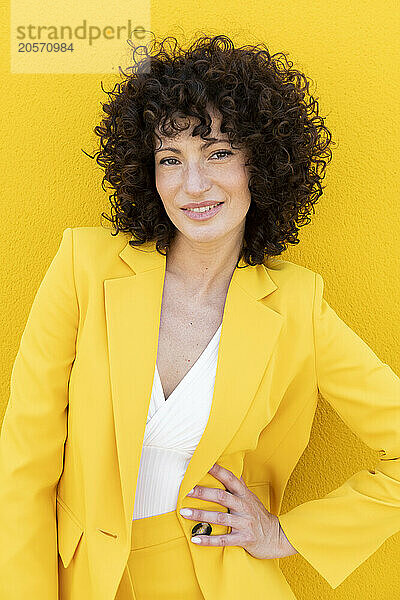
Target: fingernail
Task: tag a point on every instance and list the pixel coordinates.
(196, 540)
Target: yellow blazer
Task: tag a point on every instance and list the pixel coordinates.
(73, 429)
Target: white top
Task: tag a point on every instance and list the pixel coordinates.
(173, 430)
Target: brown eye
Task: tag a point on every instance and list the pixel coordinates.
(227, 152)
(164, 160)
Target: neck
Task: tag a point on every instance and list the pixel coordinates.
(203, 266)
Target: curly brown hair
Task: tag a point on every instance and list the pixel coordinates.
(265, 109)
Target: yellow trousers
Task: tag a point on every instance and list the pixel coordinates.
(159, 566)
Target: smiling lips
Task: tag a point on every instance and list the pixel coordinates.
(202, 208)
(202, 211)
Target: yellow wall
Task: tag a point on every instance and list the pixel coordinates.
(350, 50)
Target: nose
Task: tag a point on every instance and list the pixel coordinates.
(195, 181)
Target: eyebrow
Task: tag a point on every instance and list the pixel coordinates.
(205, 145)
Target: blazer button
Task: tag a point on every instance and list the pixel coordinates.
(202, 529)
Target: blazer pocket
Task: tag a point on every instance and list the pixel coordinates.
(262, 491)
(69, 531)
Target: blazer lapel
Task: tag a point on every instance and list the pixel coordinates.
(250, 330)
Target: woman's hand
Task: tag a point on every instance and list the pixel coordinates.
(252, 526)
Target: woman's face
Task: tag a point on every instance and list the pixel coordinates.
(187, 171)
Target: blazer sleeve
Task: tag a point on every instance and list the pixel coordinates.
(338, 532)
(33, 433)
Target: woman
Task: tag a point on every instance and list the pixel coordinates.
(182, 355)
